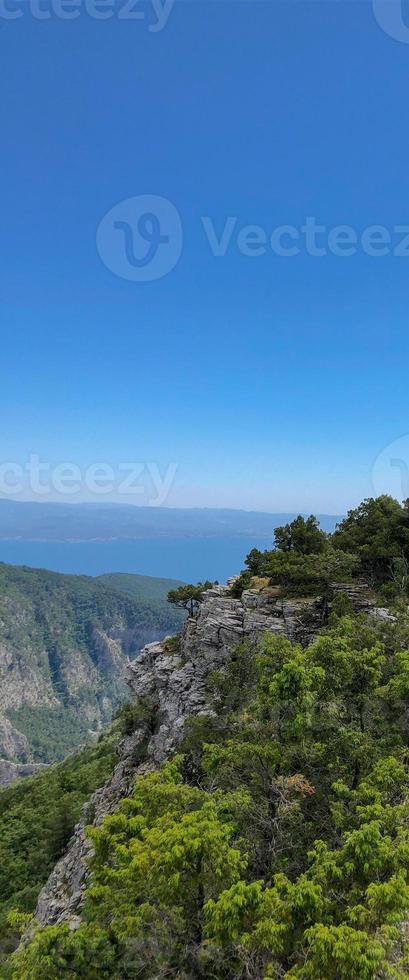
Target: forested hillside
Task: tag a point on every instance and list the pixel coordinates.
(275, 842)
(146, 589)
(64, 644)
(37, 818)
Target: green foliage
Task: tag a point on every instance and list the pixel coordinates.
(151, 595)
(37, 818)
(297, 574)
(242, 582)
(341, 605)
(309, 574)
(52, 732)
(189, 597)
(303, 536)
(378, 533)
(372, 542)
(136, 714)
(172, 646)
(157, 863)
(254, 562)
(147, 587)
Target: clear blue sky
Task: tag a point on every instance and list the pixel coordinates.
(272, 382)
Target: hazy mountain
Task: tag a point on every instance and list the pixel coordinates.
(87, 522)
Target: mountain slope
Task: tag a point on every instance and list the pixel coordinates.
(141, 587)
(275, 842)
(172, 683)
(277, 845)
(64, 645)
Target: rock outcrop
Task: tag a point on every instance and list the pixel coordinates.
(13, 744)
(176, 684)
(10, 771)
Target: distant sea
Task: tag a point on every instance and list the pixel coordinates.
(189, 559)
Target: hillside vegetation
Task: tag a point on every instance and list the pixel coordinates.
(64, 644)
(276, 844)
(140, 586)
(372, 543)
(37, 818)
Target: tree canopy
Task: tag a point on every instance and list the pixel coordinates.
(372, 542)
(189, 597)
(378, 533)
(304, 536)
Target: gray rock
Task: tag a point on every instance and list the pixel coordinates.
(10, 771)
(358, 592)
(13, 744)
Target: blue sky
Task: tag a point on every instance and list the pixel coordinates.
(269, 381)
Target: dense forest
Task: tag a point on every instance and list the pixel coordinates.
(276, 843)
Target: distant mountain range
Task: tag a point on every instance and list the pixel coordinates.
(104, 522)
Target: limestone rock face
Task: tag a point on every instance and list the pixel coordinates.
(21, 679)
(358, 592)
(13, 745)
(176, 684)
(10, 771)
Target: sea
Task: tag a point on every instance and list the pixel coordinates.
(190, 559)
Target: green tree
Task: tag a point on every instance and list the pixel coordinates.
(254, 561)
(303, 536)
(189, 597)
(378, 533)
(37, 818)
(157, 863)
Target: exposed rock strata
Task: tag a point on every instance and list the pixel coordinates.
(10, 771)
(13, 744)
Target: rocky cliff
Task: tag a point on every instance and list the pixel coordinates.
(176, 685)
(10, 771)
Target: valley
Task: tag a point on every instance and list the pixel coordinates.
(65, 642)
